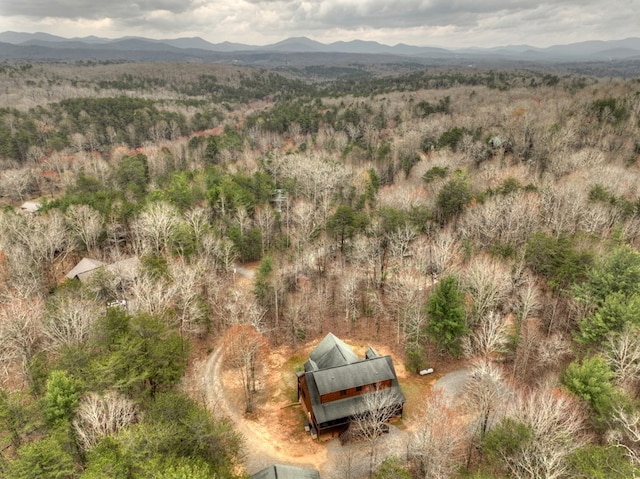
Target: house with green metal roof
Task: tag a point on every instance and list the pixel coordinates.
(333, 386)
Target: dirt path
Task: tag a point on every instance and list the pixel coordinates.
(262, 450)
(271, 438)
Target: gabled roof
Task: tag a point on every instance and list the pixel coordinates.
(352, 375)
(330, 353)
(84, 268)
(376, 369)
(126, 269)
(279, 471)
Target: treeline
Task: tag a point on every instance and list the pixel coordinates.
(94, 124)
(193, 103)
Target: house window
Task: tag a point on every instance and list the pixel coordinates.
(343, 392)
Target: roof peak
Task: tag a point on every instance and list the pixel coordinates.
(331, 352)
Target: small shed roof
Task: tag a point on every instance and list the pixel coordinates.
(84, 268)
(280, 471)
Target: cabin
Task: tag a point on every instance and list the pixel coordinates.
(84, 269)
(334, 381)
(125, 270)
(279, 471)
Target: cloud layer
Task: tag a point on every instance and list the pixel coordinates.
(452, 23)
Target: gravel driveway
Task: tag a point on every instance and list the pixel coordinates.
(451, 385)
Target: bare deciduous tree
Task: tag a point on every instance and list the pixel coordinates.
(507, 220)
(489, 337)
(399, 241)
(177, 298)
(17, 184)
(488, 282)
(319, 178)
(366, 253)
(553, 351)
(86, 223)
(528, 343)
(437, 255)
(198, 221)
(349, 288)
(32, 245)
(303, 214)
(220, 252)
(20, 331)
(485, 394)
(98, 416)
(69, 321)
(562, 208)
(21, 277)
(377, 408)
(403, 298)
(436, 448)
(265, 220)
(351, 460)
(556, 429)
(188, 304)
(626, 432)
(529, 299)
(154, 227)
(244, 347)
(623, 355)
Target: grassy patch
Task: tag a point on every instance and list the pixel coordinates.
(415, 389)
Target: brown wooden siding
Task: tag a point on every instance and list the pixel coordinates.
(351, 392)
(303, 392)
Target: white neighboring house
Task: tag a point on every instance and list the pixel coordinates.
(30, 207)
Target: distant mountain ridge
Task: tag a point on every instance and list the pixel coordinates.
(43, 45)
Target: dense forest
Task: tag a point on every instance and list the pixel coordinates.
(481, 217)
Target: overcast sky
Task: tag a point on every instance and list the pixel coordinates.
(445, 23)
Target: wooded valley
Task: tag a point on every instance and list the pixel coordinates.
(484, 218)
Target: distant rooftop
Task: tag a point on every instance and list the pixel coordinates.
(30, 206)
(280, 471)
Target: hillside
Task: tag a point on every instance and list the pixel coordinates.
(458, 217)
(600, 58)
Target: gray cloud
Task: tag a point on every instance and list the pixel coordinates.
(457, 22)
(90, 9)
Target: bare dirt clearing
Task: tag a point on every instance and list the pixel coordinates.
(274, 432)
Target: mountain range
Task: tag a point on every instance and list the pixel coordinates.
(43, 46)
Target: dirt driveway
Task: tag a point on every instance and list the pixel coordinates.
(275, 432)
